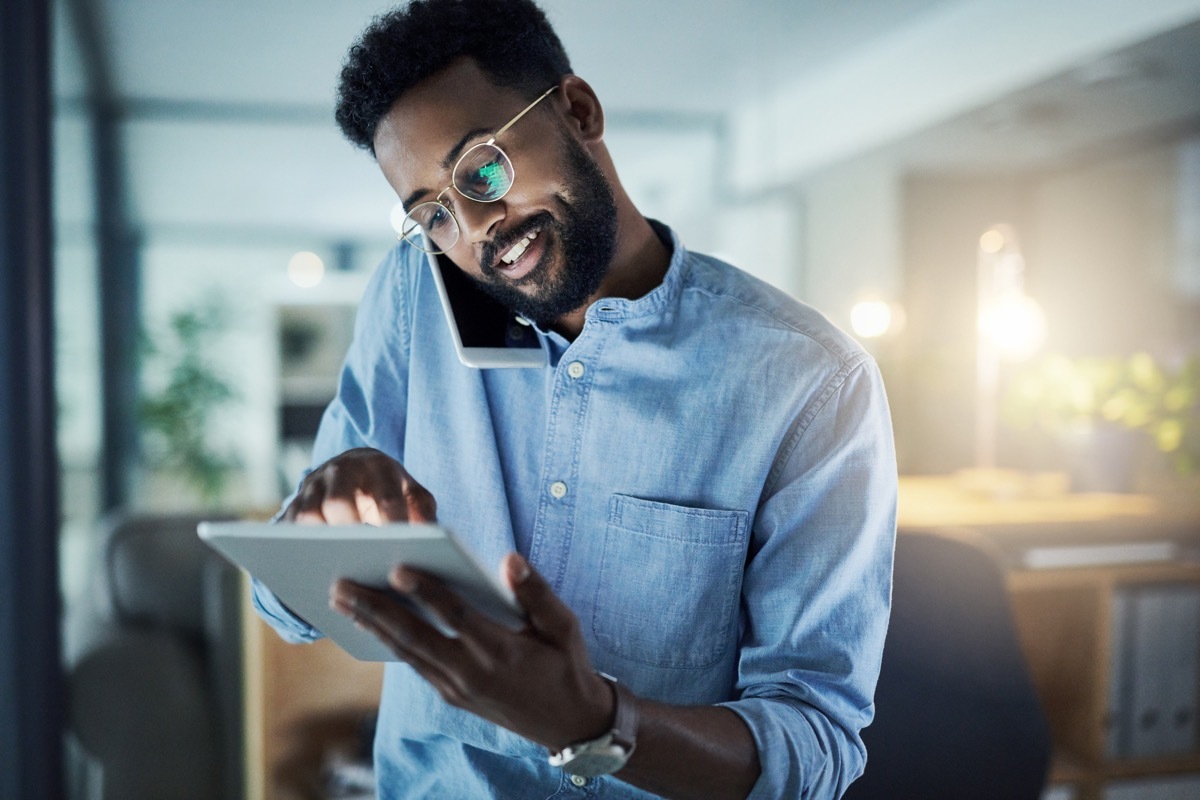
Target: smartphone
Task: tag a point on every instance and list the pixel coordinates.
(486, 334)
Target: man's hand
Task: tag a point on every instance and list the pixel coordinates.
(536, 682)
(361, 485)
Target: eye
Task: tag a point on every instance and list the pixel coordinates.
(433, 217)
(439, 217)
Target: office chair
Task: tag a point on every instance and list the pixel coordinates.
(956, 713)
(154, 678)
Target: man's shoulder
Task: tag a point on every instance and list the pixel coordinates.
(394, 284)
(743, 305)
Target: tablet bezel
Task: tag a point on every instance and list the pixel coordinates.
(299, 564)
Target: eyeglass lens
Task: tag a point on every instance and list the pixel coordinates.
(435, 221)
(483, 174)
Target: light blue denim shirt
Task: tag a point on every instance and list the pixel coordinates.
(725, 536)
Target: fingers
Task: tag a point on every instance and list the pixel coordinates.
(456, 617)
(449, 664)
(486, 669)
(361, 485)
(367, 508)
(307, 503)
(419, 503)
(397, 627)
(337, 511)
(548, 615)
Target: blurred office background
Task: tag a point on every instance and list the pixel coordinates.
(878, 159)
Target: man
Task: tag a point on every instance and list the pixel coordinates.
(694, 501)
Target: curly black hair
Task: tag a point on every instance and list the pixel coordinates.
(511, 40)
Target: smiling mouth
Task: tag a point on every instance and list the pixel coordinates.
(518, 250)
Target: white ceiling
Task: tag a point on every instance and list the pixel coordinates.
(1146, 92)
(683, 54)
(228, 127)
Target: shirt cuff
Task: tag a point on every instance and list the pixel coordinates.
(286, 623)
(798, 756)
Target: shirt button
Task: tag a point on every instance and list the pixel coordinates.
(575, 369)
(579, 780)
(558, 489)
(516, 333)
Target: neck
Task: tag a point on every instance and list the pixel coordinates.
(638, 265)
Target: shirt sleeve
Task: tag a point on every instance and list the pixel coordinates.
(817, 592)
(369, 407)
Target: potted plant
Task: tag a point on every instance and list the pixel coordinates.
(1100, 408)
(178, 408)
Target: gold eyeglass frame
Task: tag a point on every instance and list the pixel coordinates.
(491, 142)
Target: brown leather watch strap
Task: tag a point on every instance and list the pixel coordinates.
(625, 721)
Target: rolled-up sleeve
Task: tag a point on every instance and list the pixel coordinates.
(817, 590)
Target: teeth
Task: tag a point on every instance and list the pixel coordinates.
(518, 249)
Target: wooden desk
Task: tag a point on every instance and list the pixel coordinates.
(999, 497)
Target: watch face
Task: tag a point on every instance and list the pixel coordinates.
(592, 763)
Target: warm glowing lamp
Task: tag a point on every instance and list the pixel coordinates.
(1011, 326)
(1016, 326)
(871, 319)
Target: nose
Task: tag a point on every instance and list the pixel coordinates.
(476, 219)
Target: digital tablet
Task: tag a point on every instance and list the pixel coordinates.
(299, 563)
(486, 334)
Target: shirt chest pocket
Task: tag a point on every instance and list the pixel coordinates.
(669, 582)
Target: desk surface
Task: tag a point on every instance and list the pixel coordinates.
(1003, 498)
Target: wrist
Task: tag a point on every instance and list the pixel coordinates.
(596, 712)
(608, 752)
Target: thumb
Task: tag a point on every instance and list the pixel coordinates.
(547, 614)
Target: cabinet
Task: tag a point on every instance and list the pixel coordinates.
(1065, 621)
(1065, 615)
(299, 699)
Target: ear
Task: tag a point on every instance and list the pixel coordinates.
(581, 109)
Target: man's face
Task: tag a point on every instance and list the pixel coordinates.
(560, 206)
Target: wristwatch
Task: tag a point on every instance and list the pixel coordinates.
(609, 753)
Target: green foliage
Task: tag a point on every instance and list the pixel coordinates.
(1059, 394)
(176, 418)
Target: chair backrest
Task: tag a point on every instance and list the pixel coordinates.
(155, 684)
(155, 571)
(957, 715)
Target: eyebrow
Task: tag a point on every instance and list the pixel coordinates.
(448, 162)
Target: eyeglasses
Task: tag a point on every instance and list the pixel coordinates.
(484, 174)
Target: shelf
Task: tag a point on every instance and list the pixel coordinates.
(1104, 577)
(1140, 767)
(1071, 768)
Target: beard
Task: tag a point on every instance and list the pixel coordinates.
(587, 232)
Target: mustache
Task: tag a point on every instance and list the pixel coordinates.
(489, 255)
